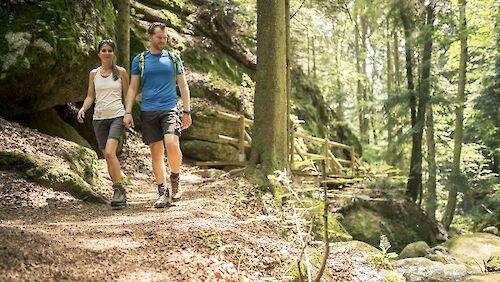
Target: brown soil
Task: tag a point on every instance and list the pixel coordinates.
(216, 233)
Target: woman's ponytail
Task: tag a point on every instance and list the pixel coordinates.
(115, 72)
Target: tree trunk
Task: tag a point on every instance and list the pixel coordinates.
(123, 33)
(415, 177)
(359, 88)
(397, 92)
(457, 149)
(366, 121)
(288, 74)
(389, 114)
(313, 49)
(431, 163)
(340, 98)
(269, 146)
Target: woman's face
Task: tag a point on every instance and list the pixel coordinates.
(106, 52)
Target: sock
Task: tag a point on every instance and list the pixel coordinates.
(174, 175)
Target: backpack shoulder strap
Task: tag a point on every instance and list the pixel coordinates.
(177, 61)
(142, 57)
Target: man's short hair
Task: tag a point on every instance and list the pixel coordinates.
(153, 26)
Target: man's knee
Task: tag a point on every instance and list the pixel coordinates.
(171, 142)
(156, 150)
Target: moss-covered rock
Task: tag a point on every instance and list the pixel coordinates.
(402, 222)
(413, 250)
(423, 269)
(49, 161)
(207, 126)
(50, 176)
(308, 104)
(485, 277)
(49, 122)
(208, 151)
(473, 248)
(493, 262)
(52, 43)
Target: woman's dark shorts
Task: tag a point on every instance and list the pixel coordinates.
(158, 123)
(107, 128)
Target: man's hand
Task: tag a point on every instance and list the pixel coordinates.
(186, 121)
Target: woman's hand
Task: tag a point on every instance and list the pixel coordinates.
(81, 115)
(128, 121)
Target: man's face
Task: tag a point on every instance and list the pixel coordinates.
(158, 39)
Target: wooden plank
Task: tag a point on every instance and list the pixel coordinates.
(316, 157)
(248, 137)
(232, 117)
(318, 174)
(230, 140)
(319, 140)
(335, 161)
(344, 161)
(221, 163)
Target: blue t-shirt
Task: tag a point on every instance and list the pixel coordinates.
(158, 81)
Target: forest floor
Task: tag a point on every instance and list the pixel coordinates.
(218, 232)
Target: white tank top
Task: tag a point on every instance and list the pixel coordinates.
(108, 96)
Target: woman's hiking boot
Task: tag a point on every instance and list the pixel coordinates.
(119, 196)
(164, 199)
(176, 189)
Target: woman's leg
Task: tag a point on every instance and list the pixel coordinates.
(112, 162)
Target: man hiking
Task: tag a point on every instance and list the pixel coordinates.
(158, 70)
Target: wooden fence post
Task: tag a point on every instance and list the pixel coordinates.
(326, 155)
(241, 139)
(292, 146)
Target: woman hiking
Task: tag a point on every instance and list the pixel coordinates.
(107, 85)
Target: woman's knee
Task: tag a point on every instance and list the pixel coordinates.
(109, 153)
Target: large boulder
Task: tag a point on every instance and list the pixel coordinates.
(49, 122)
(52, 162)
(403, 222)
(485, 277)
(423, 269)
(201, 140)
(413, 250)
(473, 248)
(47, 49)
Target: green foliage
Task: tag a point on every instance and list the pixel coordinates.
(84, 163)
(384, 259)
(209, 239)
(64, 29)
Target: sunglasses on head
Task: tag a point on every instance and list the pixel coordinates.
(154, 25)
(106, 41)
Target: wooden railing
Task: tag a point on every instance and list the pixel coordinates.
(334, 164)
(244, 141)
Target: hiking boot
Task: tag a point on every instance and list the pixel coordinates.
(176, 188)
(119, 196)
(164, 199)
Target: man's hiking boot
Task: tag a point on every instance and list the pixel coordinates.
(119, 196)
(176, 188)
(164, 199)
